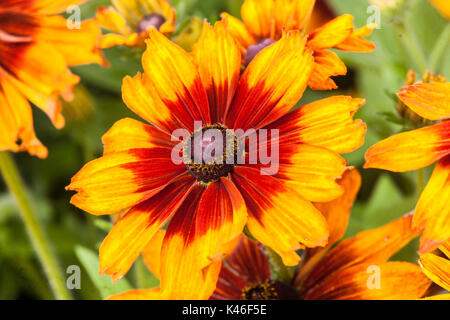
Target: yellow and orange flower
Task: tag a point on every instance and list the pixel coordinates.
(130, 21)
(208, 206)
(36, 49)
(437, 268)
(420, 148)
(265, 21)
(356, 268)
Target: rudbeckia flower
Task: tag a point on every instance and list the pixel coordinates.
(264, 21)
(130, 21)
(437, 268)
(355, 268)
(209, 203)
(420, 148)
(36, 49)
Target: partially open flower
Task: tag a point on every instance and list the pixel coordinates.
(130, 21)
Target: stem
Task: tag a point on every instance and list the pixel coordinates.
(440, 49)
(413, 48)
(140, 274)
(278, 266)
(34, 229)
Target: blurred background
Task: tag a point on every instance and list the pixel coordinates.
(414, 26)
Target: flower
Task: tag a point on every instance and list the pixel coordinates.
(29, 31)
(131, 20)
(443, 6)
(420, 148)
(264, 22)
(437, 268)
(208, 204)
(356, 268)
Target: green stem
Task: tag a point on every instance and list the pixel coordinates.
(34, 229)
(278, 266)
(140, 274)
(413, 48)
(440, 49)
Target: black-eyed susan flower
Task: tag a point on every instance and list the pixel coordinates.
(209, 203)
(36, 49)
(437, 268)
(420, 148)
(130, 21)
(264, 21)
(356, 268)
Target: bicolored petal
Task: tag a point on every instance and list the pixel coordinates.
(374, 246)
(197, 238)
(332, 33)
(428, 100)
(247, 264)
(137, 294)
(128, 134)
(432, 214)
(219, 61)
(388, 281)
(16, 122)
(174, 80)
(437, 269)
(327, 65)
(120, 180)
(268, 89)
(411, 150)
(325, 123)
(278, 216)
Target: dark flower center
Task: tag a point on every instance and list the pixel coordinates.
(210, 153)
(254, 49)
(152, 20)
(269, 290)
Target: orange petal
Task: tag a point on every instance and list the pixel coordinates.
(138, 294)
(16, 122)
(152, 253)
(432, 214)
(355, 41)
(397, 281)
(129, 134)
(268, 89)
(326, 123)
(130, 235)
(174, 80)
(219, 61)
(428, 100)
(332, 33)
(411, 150)
(197, 237)
(120, 180)
(437, 269)
(373, 247)
(50, 7)
(258, 16)
(327, 65)
(238, 31)
(109, 18)
(278, 216)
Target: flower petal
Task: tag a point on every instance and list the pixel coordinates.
(238, 31)
(332, 33)
(152, 253)
(327, 65)
(355, 41)
(219, 61)
(411, 150)
(397, 281)
(120, 180)
(269, 88)
(138, 294)
(428, 100)
(432, 214)
(437, 269)
(130, 235)
(278, 216)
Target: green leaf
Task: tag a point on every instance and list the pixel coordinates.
(90, 262)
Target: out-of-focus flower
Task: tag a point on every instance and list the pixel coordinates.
(386, 4)
(443, 6)
(420, 148)
(36, 49)
(131, 20)
(208, 204)
(265, 21)
(356, 268)
(437, 268)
